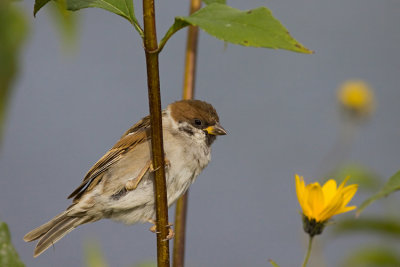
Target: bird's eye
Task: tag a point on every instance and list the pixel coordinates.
(198, 122)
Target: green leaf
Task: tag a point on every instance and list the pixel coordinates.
(8, 254)
(273, 263)
(359, 174)
(66, 22)
(392, 185)
(389, 227)
(146, 264)
(12, 36)
(38, 5)
(209, 2)
(373, 257)
(123, 8)
(93, 255)
(256, 27)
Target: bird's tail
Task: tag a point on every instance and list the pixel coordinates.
(52, 231)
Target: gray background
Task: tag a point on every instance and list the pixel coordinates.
(279, 108)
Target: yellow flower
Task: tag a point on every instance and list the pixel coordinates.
(320, 203)
(357, 97)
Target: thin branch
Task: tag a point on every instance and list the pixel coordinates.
(178, 255)
(188, 93)
(153, 81)
(191, 55)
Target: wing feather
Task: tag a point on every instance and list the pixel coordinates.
(137, 134)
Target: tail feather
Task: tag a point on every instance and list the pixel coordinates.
(43, 229)
(56, 233)
(52, 231)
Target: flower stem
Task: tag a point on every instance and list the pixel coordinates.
(308, 252)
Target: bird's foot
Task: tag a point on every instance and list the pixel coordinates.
(171, 232)
(167, 164)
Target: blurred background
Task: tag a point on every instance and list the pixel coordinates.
(74, 96)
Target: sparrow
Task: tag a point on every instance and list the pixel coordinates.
(120, 186)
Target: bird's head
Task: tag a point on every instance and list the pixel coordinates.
(197, 118)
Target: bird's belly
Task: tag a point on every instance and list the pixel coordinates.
(138, 205)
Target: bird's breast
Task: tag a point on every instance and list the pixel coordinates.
(185, 164)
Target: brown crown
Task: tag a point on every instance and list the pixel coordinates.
(187, 110)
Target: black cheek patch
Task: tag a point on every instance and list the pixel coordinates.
(187, 130)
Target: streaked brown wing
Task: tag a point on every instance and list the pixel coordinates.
(141, 125)
(137, 134)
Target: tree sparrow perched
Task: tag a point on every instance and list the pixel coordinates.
(120, 186)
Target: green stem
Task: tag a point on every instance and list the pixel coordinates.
(178, 25)
(137, 27)
(308, 252)
(153, 82)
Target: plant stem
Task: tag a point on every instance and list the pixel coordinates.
(153, 81)
(187, 93)
(307, 256)
(191, 55)
(178, 255)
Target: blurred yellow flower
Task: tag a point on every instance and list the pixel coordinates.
(320, 203)
(356, 96)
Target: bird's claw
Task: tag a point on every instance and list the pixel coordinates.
(167, 164)
(171, 232)
(170, 235)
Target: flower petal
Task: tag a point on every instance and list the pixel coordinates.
(302, 194)
(329, 190)
(331, 208)
(341, 186)
(307, 211)
(315, 199)
(299, 187)
(348, 193)
(321, 203)
(346, 209)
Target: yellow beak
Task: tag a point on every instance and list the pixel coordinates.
(216, 129)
